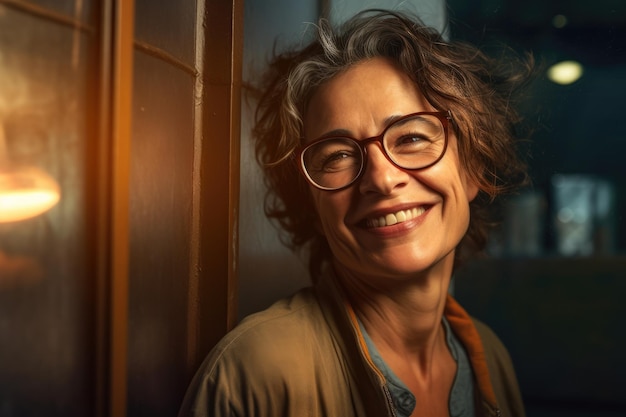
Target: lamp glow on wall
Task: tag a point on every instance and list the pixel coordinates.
(25, 191)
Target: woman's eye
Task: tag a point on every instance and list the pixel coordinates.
(331, 156)
(412, 141)
(337, 160)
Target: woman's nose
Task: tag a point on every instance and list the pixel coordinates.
(381, 175)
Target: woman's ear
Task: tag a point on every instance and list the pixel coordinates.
(471, 190)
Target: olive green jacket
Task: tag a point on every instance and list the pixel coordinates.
(305, 357)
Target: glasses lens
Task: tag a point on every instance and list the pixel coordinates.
(332, 163)
(415, 142)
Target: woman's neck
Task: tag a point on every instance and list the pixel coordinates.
(403, 318)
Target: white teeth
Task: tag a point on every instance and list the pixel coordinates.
(391, 219)
(394, 218)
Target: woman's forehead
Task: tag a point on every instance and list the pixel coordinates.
(371, 91)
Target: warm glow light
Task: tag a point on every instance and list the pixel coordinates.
(565, 72)
(559, 21)
(26, 192)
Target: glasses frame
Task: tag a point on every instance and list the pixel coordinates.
(444, 117)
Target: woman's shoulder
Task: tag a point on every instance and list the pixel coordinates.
(276, 335)
(280, 361)
(299, 311)
(501, 371)
(269, 357)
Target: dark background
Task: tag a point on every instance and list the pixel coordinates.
(561, 317)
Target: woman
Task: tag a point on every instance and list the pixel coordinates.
(382, 145)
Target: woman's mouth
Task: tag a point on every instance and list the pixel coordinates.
(395, 218)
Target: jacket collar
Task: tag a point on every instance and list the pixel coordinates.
(368, 383)
(464, 329)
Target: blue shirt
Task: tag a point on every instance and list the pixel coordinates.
(461, 403)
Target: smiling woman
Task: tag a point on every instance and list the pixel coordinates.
(359, 101)
(381, 151)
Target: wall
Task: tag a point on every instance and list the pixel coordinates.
(432, 12)
(266, 269)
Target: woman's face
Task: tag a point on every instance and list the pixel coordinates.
(430, 206)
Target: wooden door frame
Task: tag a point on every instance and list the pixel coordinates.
(218, 204)
(212, 307)
(212, 295)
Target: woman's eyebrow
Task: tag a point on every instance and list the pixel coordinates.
(345, 132)
(391, 119)
(337, 132)
(425, 120)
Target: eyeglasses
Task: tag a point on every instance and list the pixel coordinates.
(415, 141)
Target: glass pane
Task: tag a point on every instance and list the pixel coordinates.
(78, 9)
(161, 192)
(168, 25)
(46, 317)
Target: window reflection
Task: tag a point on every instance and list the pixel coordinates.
(25, 192)
(46, 312)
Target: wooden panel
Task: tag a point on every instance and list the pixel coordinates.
(122, 131)
(220, 174)
(169, 26)
(161, 186)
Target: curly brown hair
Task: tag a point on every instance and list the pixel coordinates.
(452, 76)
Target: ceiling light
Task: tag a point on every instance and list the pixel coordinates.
(559, 21)
(565, 72)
